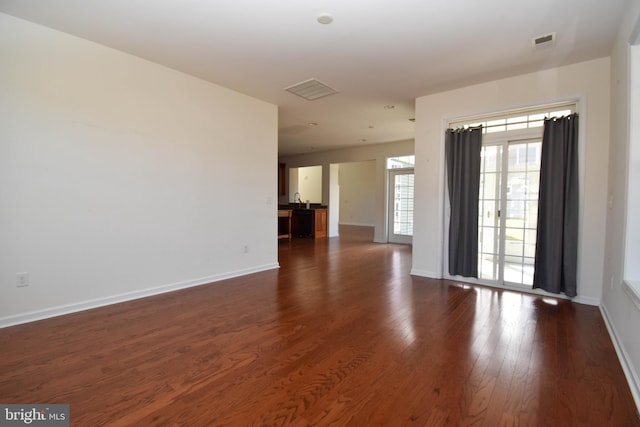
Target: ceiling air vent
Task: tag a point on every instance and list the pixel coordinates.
(311, 89)
(544, 41)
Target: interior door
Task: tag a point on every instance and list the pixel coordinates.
(400, 223)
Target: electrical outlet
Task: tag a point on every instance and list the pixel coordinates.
(22, 280)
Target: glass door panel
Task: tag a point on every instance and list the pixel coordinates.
(508, 209)
(401, 185)
(488, 213)
(521, 204)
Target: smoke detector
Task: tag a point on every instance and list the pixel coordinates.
(324, 18)
(546, 40)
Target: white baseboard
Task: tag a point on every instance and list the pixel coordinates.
(629, 372)
(632, 288)
(128, 296)
(587, 301)
(424, 273)
(357, 224)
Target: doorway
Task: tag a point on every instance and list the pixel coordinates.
(509, 190)
(508, 211)
(400, 202)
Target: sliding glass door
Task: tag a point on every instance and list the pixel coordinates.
(508, 209)
(509, 188)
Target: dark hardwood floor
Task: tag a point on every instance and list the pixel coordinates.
(340, 335)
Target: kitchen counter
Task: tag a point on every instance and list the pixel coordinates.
(310, 223)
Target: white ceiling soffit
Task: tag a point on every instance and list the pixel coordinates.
(311, 89)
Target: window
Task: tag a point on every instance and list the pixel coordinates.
(401, 162)
(508, 198)
(400, 199)
(533, 118)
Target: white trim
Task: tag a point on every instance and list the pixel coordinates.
(443, 209)
(633, 131)
(632, 376)
(128, 296)
(634, 37)
(425, 273)
(582, 167)
(587, 301)
(358, 224)
(524, 289)
(632, 288)
(535, 292)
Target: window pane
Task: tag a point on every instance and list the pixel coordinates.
(533, 185)
(489, 159)
(517, 123)
(401, 162)
(513, 249)
(560, 113)
(532, 120)
(531, 214)
(534, 117)
(494, 125)
(514, 234)
(489, 186)
(487, 266)
(403, 212)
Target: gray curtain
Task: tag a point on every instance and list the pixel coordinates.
(462, 150)
(557, 241)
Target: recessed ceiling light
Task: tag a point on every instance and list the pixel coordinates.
(389, 107)
(363, 140)
(325, 18)
(312, 124)
(371, 126)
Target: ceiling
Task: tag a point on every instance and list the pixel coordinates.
(377, 54)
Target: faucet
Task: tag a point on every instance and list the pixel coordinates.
(297, 195)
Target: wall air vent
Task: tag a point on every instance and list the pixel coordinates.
(311, 89)
(546, 40)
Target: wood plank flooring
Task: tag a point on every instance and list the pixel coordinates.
(340, 335)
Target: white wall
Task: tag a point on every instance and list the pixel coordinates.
(621, 314)
(375, 152)
(357, 195)
(120, 178)
(310, 184)
(589, 80)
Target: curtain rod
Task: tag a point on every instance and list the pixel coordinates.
(513, 123)
(459, 122)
